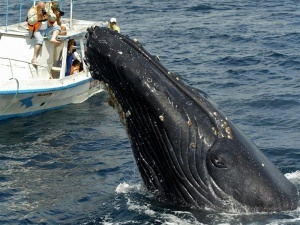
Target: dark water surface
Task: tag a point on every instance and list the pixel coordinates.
(74, 165)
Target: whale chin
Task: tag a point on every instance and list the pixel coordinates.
(185, 148)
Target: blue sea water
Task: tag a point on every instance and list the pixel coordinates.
(74, 165)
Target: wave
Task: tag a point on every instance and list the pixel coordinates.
(201, 7)
(155, 213)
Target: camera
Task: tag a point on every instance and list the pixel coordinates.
(44, 12)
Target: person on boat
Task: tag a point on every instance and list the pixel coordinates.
(51, 20)
(113, 25)
(71, 50)
(75, 68)
(56, 10)
(76, 55)
(38, 27)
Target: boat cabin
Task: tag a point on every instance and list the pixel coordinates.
(17, 48)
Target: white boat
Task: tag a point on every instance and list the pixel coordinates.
(27, 89)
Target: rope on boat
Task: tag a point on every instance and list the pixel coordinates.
(13, 98)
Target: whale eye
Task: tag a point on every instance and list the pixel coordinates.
(218, 162)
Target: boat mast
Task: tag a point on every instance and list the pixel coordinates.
(6, 22)
(71, 12)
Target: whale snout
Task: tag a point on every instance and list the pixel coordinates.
(250, 178)
(283, 198)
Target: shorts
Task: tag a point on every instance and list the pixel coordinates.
(40, 34)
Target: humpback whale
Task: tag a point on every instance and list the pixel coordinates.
(186, 150)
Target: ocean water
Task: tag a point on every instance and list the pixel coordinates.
(74, 165)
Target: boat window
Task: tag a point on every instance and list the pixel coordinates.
(67, 55)
(74, 63)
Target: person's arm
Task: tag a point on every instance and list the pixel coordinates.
(57, 14)
(77, 56)
(32, 17)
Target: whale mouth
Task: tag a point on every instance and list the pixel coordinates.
(182, 143)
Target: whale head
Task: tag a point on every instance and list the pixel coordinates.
(184, 146)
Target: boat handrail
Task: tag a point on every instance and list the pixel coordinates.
(28, 63)
(34, 3)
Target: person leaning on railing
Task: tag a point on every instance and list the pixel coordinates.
(112, 25)
(57, 11)
(37, 20)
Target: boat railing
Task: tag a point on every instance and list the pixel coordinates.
(34, 3)
(14, 68)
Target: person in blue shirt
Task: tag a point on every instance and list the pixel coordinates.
(71, 50)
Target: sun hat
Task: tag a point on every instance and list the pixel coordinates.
(55, 6)
(113, 20)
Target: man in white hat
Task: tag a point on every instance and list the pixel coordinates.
(113, 25)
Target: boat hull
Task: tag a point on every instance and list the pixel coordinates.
(26, 102)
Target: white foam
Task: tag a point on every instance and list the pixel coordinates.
(126, 188)
(171, 219)
(293, 176)
(144, 208)
(285, 221)
(140, 208)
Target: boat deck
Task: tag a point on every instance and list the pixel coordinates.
(77, 27)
